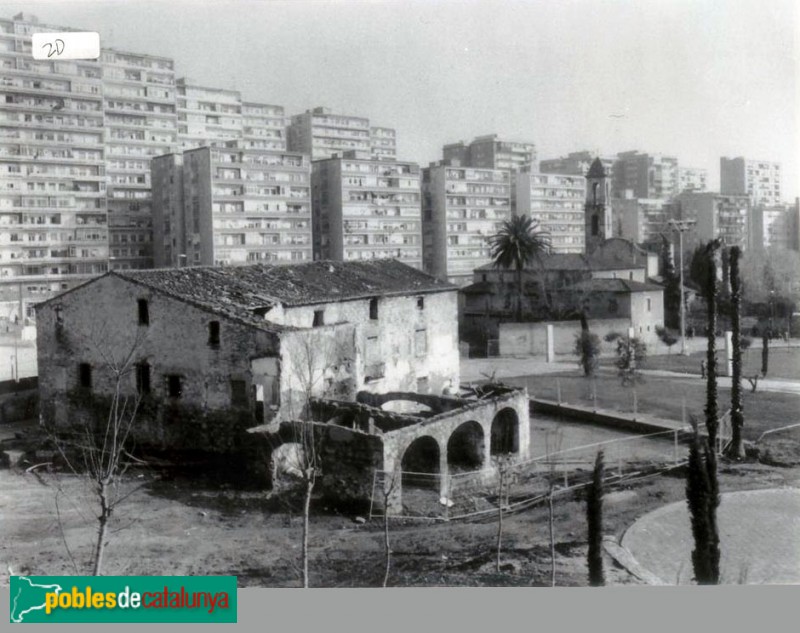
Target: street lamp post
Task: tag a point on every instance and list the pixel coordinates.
(681, 226)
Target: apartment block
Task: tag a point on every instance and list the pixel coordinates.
(557, 203)
(366, 208)
(383, 143)
(645, 175)
(491, 152)
(759, 179)
(692, 179)
(641, 220)
(140, 122)
(717, 215)
(263, 126)
(53, 212)
(207, 117)
(462, 208)
(776, 227)
(577, 164)
(232, 205)
(320, 133)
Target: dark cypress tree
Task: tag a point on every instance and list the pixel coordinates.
(712, 421)
(697, 497)
(713, 504)
(710, 293)
(594, 519)
(736, 450)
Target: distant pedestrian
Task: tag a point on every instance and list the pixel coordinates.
(703, 365)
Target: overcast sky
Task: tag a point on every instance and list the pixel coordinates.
(696, 79)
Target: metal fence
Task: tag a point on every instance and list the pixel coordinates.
(460, 495)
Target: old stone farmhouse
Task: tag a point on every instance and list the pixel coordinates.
(214, 351)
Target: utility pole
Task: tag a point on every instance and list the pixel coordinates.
(681, 226)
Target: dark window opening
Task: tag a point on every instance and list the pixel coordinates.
(373, 309)
(144, 312)
(59, 315)
(595, 225)
(143, 378)
(85, 375)
(420, 303)
(595, 185)
(238, 393)
(213, 333)
(319, 318)
(174, 387)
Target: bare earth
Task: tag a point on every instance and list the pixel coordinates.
(180, 526)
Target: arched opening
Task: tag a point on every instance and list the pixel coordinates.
(595, 225)
(595, 185)
(465, 447)
(421, 462)
(287, 465)
(505, 432)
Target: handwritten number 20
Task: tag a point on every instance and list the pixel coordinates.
(55, 48)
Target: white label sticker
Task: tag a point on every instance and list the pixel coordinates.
(66, 45)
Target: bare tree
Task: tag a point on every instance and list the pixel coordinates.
(315, 361)
(390, 486)
(552, 440)
(94, 446)
(503, 466)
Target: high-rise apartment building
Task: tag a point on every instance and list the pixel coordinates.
(207, 116)
(646, 175)
(556, 202)
(717, 216)
(641, 220)
(692, 179)
(321, 133)
(140, 122)
(759, 179)
(462, 208)
(263, 126)
(491, 152)
(577, 164)
(383, 143)
(232, 205)
(53, 212)
(776, 227)
(365, 208)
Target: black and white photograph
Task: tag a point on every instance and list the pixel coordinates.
(383, 294)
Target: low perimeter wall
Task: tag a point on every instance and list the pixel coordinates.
(530, 339)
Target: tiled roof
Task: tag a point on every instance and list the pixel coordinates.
(612, 285)
(264, 285)
(615, 253)
(478, 288)
(554, 261)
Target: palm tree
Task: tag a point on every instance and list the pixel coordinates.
(519, 242)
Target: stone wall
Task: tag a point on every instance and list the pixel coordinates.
(530, 339)
(98, 324)
(407, 347)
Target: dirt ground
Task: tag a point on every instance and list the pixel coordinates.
(175, 524)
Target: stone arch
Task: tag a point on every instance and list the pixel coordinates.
(420, 458)
(465, 448)
(505, 432)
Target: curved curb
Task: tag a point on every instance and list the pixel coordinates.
(623, 557)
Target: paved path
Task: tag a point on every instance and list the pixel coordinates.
(775, 385)
(478, 369)
(759, 536)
